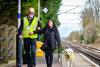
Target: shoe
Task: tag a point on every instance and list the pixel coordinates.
(33, 65)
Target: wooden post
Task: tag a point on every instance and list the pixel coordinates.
(4, 43)
(8, 43)
(12, 43)
(1, 38)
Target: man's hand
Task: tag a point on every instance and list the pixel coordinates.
(20, 36)
(30, 33)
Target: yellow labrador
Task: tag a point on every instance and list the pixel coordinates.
(69, 56)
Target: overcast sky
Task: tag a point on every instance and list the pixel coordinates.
(69, 21)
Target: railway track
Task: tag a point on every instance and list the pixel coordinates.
(92, 53)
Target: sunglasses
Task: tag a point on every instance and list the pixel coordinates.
(31, 13)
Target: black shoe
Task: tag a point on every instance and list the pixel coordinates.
(33, 65)
(29, 66)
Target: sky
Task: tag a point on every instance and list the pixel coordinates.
(69, 21)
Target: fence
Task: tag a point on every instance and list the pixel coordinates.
(7, 43)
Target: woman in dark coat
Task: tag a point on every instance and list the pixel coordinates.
(51, 41)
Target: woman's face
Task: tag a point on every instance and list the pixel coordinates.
(50, 23)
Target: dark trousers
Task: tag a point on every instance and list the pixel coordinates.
(49, 57)
(30, 49)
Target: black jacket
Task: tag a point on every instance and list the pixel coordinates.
(51, 37)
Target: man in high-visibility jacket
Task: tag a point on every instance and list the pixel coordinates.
(27, 32)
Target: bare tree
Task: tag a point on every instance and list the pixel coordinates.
(90, 18)
(95, 6)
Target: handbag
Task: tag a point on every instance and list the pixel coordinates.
(43, 47)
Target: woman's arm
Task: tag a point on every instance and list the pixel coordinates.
(57, 36)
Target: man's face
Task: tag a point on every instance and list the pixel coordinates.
(31, 14)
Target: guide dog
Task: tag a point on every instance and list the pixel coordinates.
(69, 56)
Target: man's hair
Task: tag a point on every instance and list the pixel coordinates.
(31, 9)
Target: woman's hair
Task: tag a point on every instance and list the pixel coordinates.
(54, 26)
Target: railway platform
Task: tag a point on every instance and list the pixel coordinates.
(79, 61)
(42, 63)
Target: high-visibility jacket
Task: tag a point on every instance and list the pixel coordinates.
(27, 28)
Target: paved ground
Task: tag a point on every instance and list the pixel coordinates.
(79, 61)
(42, 63)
